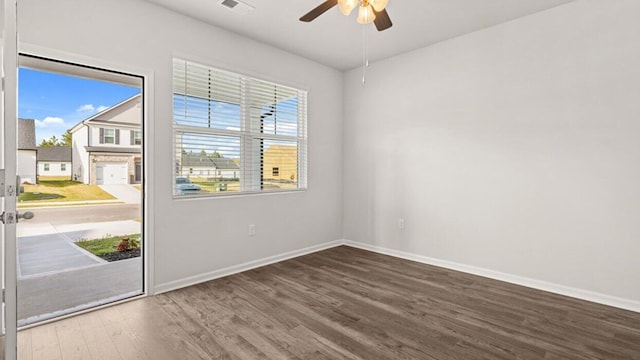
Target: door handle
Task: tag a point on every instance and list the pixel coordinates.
(10, 218)
(27, 215)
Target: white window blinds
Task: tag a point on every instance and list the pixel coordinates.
(231, 131)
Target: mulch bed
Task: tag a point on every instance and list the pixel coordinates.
(121, 255)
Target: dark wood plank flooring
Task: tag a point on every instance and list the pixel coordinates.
(344, 303)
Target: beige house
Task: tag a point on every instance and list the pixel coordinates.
(107, 147)
(280, 163)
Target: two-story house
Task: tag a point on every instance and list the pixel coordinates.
(106, 148)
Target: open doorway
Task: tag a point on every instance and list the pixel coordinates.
(81, 161)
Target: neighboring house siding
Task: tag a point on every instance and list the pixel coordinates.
(281, 163)
(26, 142)
(80, 156)
(27, 166)
(55, 168)
(208, 172)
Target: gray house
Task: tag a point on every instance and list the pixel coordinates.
(200, 165)
(27, 150)
(54, 161)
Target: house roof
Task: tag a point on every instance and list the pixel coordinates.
(225, 164)
(54, 153)
(26, 134)
(200, 160)
(105, 115)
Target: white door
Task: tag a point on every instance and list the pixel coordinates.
(8, 157)
(111, 173)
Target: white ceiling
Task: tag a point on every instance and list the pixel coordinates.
(337, 41)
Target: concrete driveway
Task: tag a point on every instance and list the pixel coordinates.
(123, 192)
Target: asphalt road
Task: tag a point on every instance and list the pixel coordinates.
(84, 214)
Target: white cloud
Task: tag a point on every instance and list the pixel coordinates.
(49, 120)
(87, 108)
(90, 109)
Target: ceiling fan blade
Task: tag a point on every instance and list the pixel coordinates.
(321, 9)
(382, 21)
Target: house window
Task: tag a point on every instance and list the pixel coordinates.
(63, 167)
(249, 130)
(136, 137)
(109, 136)
(46, 167)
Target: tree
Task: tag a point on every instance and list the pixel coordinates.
(215, 155)
(51, 142)
(66, 138)
(54, 141)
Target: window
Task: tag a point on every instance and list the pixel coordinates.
(46, 167)
(249, 133)
(63, 167)
(109, 136)
(136, 137)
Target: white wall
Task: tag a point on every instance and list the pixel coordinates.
(514, 149)
(199, 236)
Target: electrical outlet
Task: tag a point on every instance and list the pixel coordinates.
(252, 229)
(401, 224)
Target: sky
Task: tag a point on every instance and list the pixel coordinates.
(58, 102)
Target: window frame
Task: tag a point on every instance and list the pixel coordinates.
(104, 136)
(136, 137)
(247, 137)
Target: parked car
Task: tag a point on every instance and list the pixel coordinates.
(184, 186)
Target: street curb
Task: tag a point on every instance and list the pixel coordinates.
(40, 205)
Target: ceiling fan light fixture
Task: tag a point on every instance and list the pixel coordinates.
(347, 6)
(378, 5)
(365, 14)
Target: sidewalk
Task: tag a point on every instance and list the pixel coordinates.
(44, 248)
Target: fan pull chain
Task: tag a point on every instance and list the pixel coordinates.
(365, 60)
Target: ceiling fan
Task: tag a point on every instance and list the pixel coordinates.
(369, 11)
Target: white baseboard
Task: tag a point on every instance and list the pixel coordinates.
(497, 275)
(200, 278)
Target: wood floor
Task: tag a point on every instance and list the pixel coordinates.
(344, 303)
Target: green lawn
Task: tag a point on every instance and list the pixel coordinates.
(212, 186)
(105, 245)
(62, 190)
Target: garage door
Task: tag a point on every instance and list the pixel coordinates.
(111, 173)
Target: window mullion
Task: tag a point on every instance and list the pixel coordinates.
(246, 155)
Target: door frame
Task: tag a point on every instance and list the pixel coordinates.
(9, 129)
(147, 132)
